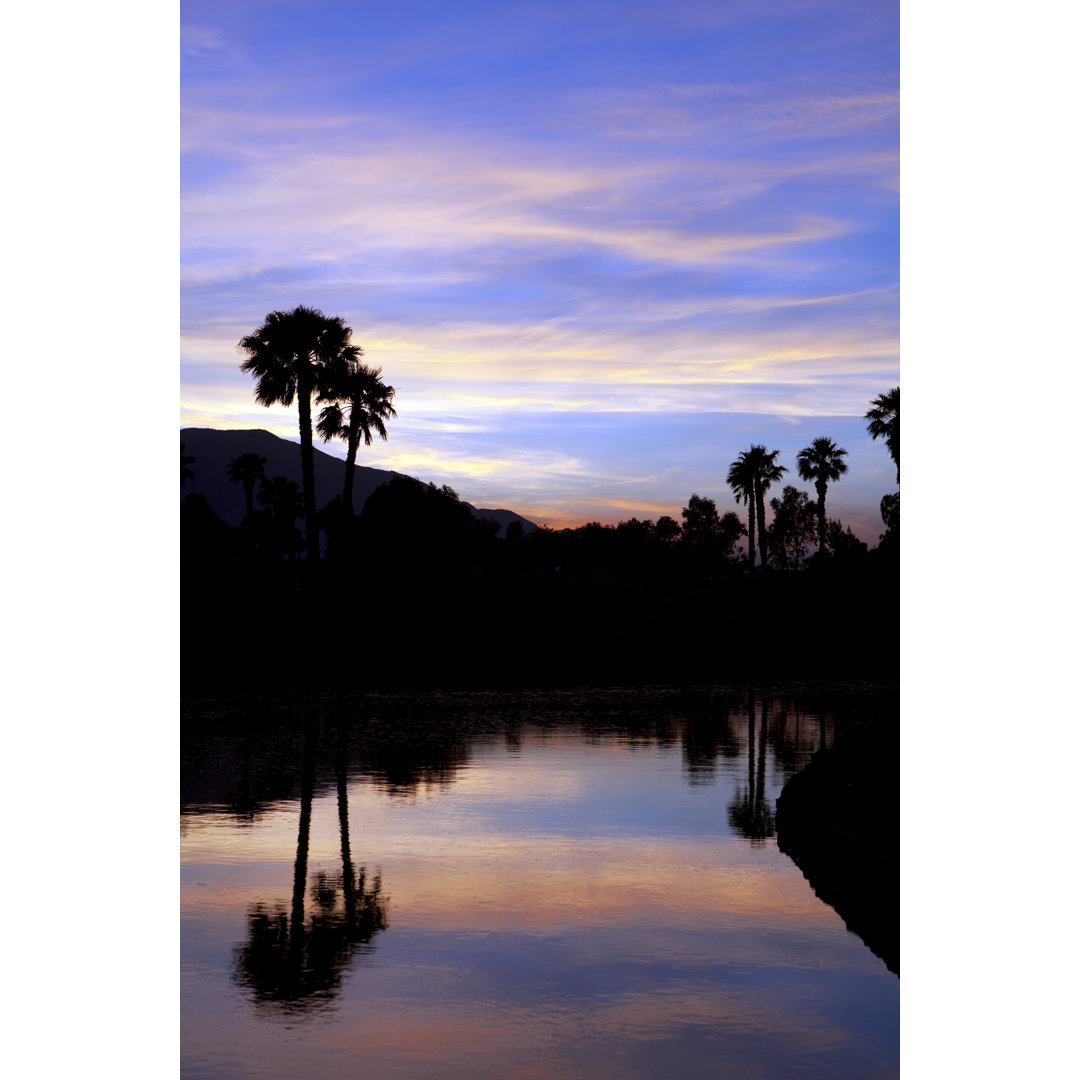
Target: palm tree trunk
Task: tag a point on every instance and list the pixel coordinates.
(761, 526)
(307, 791)
(752, 722)
(307, 468)
(249, 520)
(350, 470)
(821, 516)
(750, 503)
(759, 806)
(348, 875)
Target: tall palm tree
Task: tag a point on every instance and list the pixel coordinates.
(293, 355)
(360, 403)
(248, 469)
(884, 417)
(740, 479)
(766, 473)
(821, 462)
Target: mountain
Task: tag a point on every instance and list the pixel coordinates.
(213, 450)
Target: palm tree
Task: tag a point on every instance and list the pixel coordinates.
(821, 462)
(248, 469)
(766, 473)
(293, 355)
(282, 498)
(359, 404)
(740, 479)
(884, 417)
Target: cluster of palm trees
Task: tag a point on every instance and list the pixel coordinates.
(749, 477)
(822, 462)
(281, 496)
(303, 354)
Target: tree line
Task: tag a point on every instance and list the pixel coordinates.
(307, 356)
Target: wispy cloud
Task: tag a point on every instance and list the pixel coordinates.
(200, 40)
(677, 112)
(445, 200)
(476, 369)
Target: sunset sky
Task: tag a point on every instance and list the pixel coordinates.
(599, 248)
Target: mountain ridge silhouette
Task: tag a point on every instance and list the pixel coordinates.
(214, 448)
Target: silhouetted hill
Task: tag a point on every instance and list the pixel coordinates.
(213, 450)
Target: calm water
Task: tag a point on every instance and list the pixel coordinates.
(508, 885)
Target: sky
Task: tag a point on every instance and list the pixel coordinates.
(597, 248)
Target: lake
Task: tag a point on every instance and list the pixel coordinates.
(517, 884)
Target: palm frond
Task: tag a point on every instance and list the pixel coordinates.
(884, 417)
(740, 478)
(249, 466)
(331, 423)
(762, 463)
(822, 460)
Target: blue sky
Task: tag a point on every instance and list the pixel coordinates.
(598, 248)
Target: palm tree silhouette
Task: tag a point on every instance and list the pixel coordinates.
(282, 497)
(766, 473)
(740, 479)
(307, 793)
(247, 469)
(821, 462)
(884, 417)
(750, 812)
(186, 471)
(294, 961)
(293, 355)
(359, 404)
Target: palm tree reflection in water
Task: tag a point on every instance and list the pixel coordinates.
(751, 813)
(293, 962)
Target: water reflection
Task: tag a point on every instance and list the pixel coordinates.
(245, 763)
(294, 962)
(584, 884)
(751, 813)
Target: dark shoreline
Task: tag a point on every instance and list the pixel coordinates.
(238, 638)
(838, 820)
